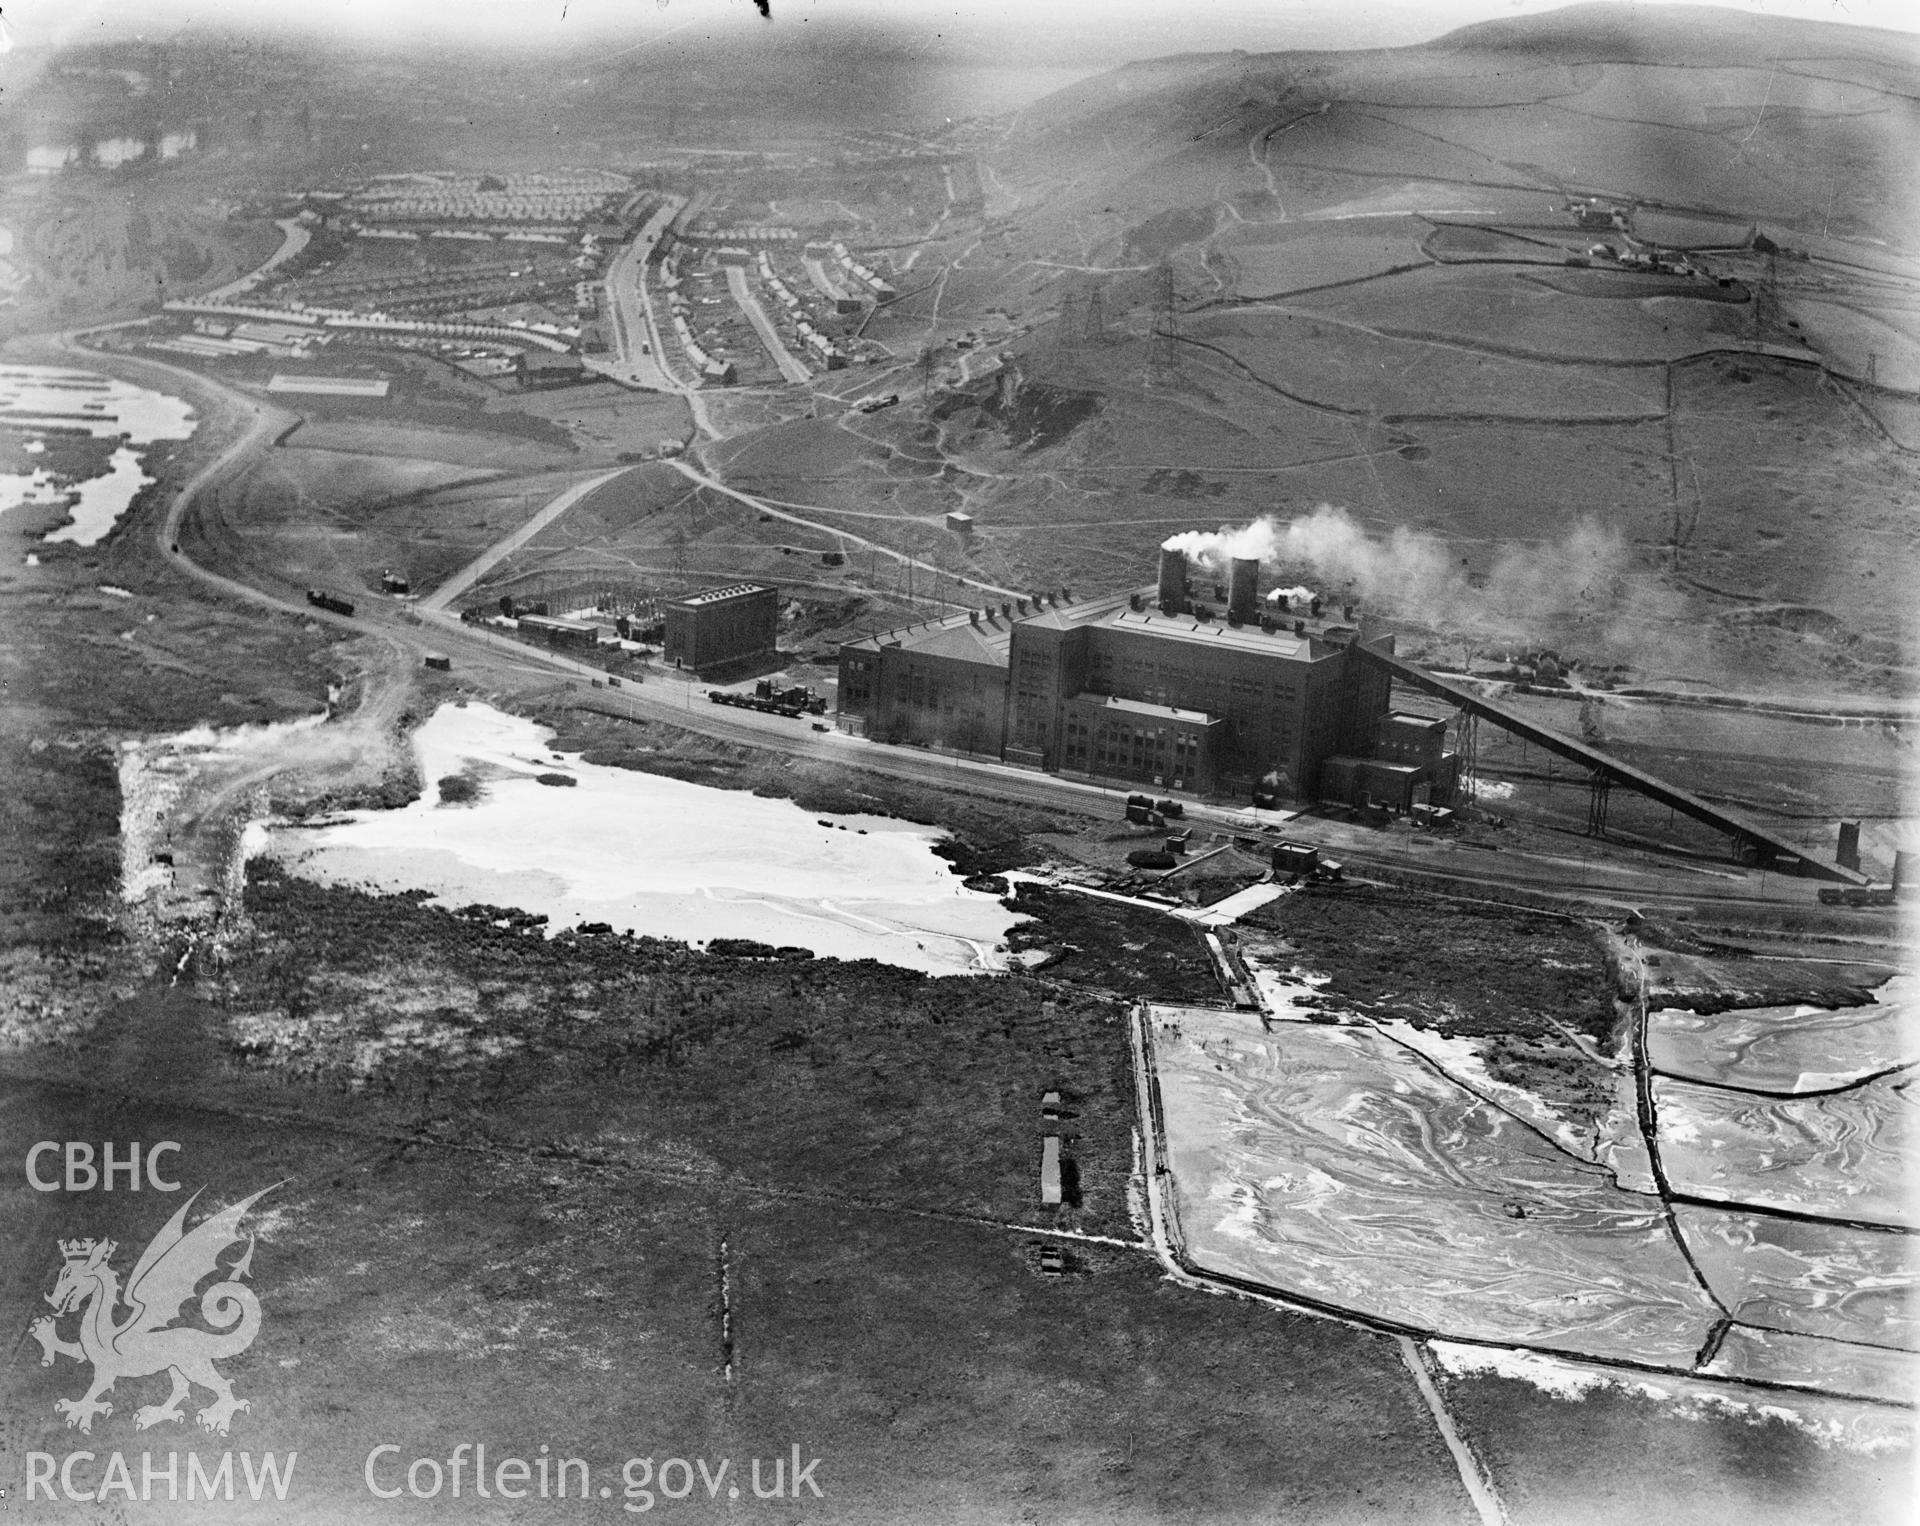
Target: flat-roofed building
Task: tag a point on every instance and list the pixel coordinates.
(559, 631)
(1370, 781)
(1417, 739)
(1142, 742)
(1112, 688)
(731, 627)
(1409, 766)
(542, 368)
(943, 682)
(1208, 706)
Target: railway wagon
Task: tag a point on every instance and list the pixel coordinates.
(330, 601)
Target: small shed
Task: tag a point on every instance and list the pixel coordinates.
(1295, 858)
(1050, 1171)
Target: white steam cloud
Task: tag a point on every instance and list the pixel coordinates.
(1531, 590)
(1298, 595)
(1213, 549)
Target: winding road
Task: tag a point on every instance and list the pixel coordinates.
(408, 632)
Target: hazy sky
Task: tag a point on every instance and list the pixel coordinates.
(1057, 32)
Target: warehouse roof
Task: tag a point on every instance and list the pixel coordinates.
(1080, 612)
(720, 595)
(969, 637)
(1218, 634)
(966, 642)
(557, 623)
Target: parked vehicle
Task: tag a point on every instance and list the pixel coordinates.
(321, 599)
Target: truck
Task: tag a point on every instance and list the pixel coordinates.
(794, 696)
(791, 703)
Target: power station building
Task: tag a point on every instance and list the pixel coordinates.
(943, 683)
(1166, 693)
(723, 628)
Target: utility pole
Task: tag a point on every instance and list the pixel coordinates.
(1163, 339)
(1066, 329)
(1766, 298)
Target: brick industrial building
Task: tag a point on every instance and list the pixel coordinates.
(944, 682)
(729, 628)
(1157, 693)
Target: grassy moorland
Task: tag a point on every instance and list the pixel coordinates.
(1436, 962)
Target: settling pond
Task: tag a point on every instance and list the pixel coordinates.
(1329, 1159)
(653, 855)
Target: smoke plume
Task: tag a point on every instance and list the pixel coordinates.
(1531, 590)
(1213, 549)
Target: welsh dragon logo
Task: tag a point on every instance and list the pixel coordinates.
(146, 1341)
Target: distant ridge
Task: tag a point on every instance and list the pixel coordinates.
(1677, 34)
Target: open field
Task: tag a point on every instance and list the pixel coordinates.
(1530, 976)
(1471, 243)
(852, 1330)
(1551, 1472)
(1513, 311)
(843, 1145)
(1805, 511)
(409, 441)
(603, 417)
(1274, 259)
(1355, 370)
(337, 518)
(1861, 338)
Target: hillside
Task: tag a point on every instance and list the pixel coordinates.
(1385, 298)
(1756, 116)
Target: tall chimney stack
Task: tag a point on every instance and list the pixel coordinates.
(1243, 587)
(1173, 580)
